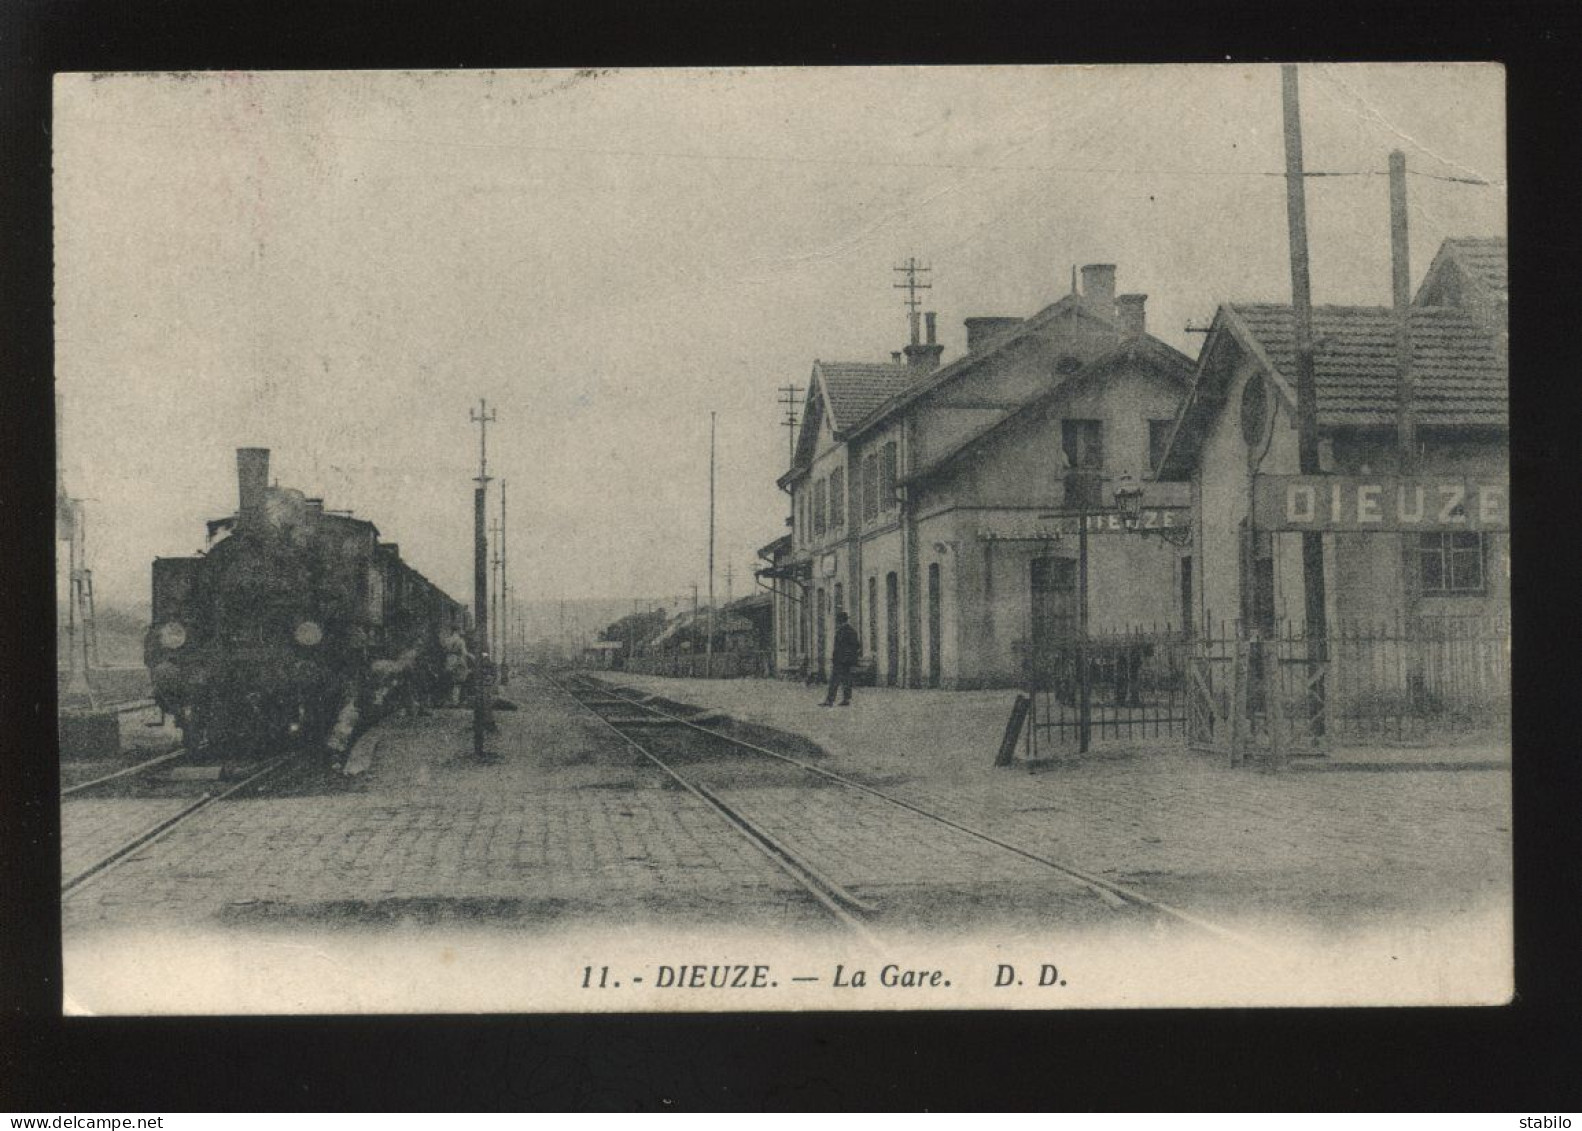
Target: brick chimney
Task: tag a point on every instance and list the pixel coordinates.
(1098, 288)
(252, 481)
(980, 330)
(1131, 312)
(925, 357)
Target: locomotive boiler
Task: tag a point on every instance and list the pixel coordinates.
(276, 634)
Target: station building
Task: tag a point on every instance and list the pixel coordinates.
(934, 504)
(1239, 421)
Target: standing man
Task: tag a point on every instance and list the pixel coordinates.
(843, 659)
(458, 665)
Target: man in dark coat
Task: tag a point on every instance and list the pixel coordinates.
(842, 660)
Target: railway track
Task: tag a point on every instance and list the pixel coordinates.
(102, 860)
(857, 915)
(122, 774)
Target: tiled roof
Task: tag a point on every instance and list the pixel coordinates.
(1146, 349)
(1459, 369)
(1483, 259)
(856, 388)
(996, 342)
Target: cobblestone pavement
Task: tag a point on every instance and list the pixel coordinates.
(571, 826)
(562, 825)
(1333, 849)
(92, 828)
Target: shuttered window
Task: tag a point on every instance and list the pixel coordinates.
(887, 477)
(837, 498)
(870, 488)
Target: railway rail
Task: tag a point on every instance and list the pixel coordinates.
(849, 910)
(104, 860)
(127, 772)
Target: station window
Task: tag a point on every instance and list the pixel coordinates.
(887, 477)
(1082, 443)
(870, 488)
(837, 498)
(1450, 563)
(820, 489)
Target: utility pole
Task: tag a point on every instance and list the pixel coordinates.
(730, 592)
(505, 598)
(709, 661)
(1405, 406)
(1084, 673)
(1306, 395)
(788, 397)
(483, 684)
(496, 624)
(1401, 272)
(912, 269)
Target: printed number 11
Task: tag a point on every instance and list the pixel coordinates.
(587, 977)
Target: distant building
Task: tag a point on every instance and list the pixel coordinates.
(921, 495)
(1240, 420)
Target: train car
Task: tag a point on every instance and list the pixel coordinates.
(291, 626)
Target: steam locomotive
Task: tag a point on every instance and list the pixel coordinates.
(279, 631)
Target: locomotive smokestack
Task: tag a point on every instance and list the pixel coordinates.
(252, 480)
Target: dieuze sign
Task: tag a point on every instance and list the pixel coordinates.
(1052, 528)
(1391, 503)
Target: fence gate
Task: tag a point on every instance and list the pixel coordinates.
(1136, 688)
(1213, 676)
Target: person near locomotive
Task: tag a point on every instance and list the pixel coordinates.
(458, 665)
(845, 654)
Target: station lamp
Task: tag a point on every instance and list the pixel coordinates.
(1129, 501)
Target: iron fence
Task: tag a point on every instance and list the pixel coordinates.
(1406, 679)
(1127, 685)
(1244, 691)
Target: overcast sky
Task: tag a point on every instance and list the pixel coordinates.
(337, 266)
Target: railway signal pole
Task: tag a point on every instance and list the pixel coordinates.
(483, 682)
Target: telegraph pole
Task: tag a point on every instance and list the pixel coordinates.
(912, 269)
(483, 689)
(710, 649)
(505, 597)
(1306, 386)
(495, 623)
(1405, 405)
(1401, 272)
(788, 397)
